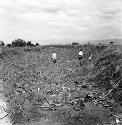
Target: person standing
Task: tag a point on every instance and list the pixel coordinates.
(80, 56)
(54, 57)
(90, 56)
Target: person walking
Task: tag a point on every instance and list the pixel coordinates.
(80, 56)
(90, 56)
(54, 57)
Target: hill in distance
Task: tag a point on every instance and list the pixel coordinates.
(68, 41)
(115, 41)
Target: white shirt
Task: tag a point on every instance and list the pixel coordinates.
(80, 53)
(54, 56)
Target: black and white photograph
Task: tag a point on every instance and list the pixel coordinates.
(60, 62)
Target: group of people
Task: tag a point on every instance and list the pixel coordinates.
(80, 56)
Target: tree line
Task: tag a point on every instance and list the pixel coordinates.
(18, 43)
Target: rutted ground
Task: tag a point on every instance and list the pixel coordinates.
(5, 120)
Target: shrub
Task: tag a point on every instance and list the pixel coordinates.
(18, 43)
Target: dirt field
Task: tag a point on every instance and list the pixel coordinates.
(34, 69)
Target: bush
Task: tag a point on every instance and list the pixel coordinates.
(18, 43)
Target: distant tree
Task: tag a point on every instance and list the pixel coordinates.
(75, 44)
(2, 43)
(29, 43)
(8, 45)
(18, 43)
(37, 44)
(111, 43)
(32, 45)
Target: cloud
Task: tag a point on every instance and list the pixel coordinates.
(35, 19)
(110, 14)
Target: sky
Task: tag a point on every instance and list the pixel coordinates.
(57, 21)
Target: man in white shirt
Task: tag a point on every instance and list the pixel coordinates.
(54, 57)
(80, 55)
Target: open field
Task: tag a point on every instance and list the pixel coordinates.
(30, 82)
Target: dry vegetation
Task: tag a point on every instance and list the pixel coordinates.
(36, 88)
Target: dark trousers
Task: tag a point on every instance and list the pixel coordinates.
(54, 60)
(80, 59)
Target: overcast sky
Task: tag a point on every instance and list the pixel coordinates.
(60, 19)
